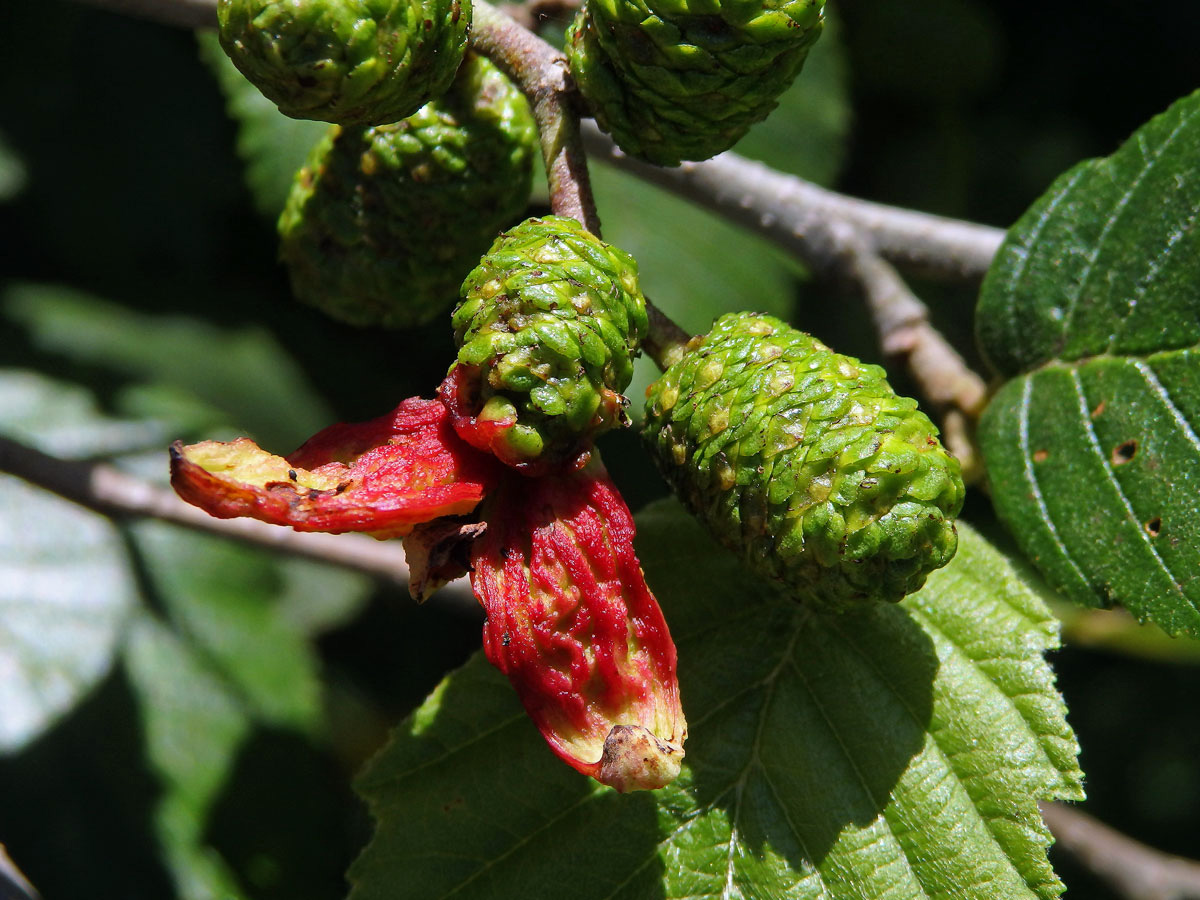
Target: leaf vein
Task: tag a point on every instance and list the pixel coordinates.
(1036, 489)
(1151, 274)
(739, 781)
(478, 873)
(1110, 475)
(1031, 240)
(755, 760)
(1161, 390)
(1114, 215)
(787, 817)
(947, 757)
(889, 836)
(457, 748)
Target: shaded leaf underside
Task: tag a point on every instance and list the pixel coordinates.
(1092, 309)
(894, 752)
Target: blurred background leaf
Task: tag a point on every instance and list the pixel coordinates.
(65, 590)
(13, 174)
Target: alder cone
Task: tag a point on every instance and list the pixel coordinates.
(547, 329)
(383, 223)
(805, 462)
(346, 61)
(685, 80)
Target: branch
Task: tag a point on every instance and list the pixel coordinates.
(783, 208)
(541, 73)
(105, 489)
(13, 885)
(1132, 869)
(666, 341)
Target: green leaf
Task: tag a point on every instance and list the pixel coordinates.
(64, 420)
(272, 145)
(232, 653)
(897, 751)
(65, 592)
(1091, 309)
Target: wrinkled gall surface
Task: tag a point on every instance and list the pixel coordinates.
(570, 619)
(573, 625)
(383, 223)
(547, 329)
(685, 80)
(805, 462)
(351, 62)
(383, 476)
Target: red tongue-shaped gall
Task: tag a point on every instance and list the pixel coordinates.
(383, 476)
(572, 623)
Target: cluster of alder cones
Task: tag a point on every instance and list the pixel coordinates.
(801, 460)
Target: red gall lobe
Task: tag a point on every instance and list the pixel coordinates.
(383, 476)
(570, 619)
(572, 623)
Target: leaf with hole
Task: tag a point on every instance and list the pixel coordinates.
(1091, 310)
(897, 751)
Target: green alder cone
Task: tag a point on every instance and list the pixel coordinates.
(383, 223)
(805, 462)
(351, 62)
(685, 80)
(547, 329)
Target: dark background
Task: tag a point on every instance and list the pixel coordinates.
(134, 193)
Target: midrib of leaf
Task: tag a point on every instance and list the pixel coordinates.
(1075, 364)
(1017, 276)
(981, 683)
(1161, 391)
(1118, 491)
(1118, 212)
(1151, 276)
(903, 809)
